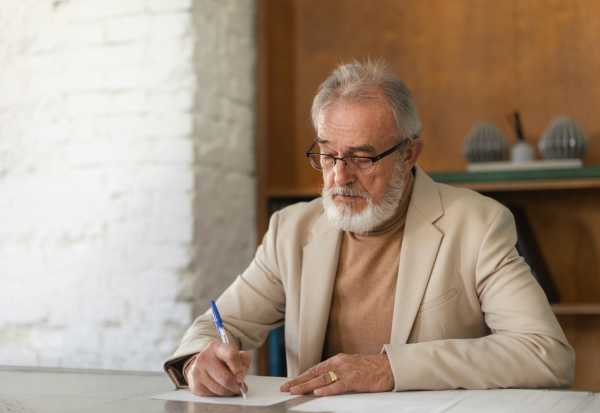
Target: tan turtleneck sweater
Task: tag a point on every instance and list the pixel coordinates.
(360, 319)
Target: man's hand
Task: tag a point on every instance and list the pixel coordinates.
(218, 370)
(363, 374)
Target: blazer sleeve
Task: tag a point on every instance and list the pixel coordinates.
(527, 347)
(250, 307)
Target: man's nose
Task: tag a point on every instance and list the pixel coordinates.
(342, 175)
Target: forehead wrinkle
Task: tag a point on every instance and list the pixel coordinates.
(367, 147)
(351, 129)
(366, 130)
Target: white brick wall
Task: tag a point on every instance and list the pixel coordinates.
(118, 154)
(224, 127)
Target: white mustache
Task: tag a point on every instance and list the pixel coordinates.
(345, 190)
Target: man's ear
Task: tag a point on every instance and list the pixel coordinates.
(412, 152)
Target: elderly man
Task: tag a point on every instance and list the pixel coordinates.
(388, 281)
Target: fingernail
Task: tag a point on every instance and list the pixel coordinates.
(240, 377)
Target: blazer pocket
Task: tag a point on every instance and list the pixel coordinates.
(438, 301)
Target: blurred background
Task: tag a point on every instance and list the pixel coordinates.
(144, 144)
(465, 61)
(127, 174)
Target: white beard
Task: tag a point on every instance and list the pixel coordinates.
(343, 216)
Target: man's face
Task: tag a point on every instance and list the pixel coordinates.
(367, 128)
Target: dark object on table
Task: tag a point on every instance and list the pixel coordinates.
(529, 249)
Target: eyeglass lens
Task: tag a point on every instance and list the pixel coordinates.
(354, 164)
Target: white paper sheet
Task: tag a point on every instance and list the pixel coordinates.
(401, 402)
(526, 401)
(459, 401)
(262, 391)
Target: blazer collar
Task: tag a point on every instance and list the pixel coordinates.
(320, 261)
(319, 267)
(420, 246)
(426, 197)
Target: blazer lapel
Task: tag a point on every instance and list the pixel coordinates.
(420, 247)
(319, 268)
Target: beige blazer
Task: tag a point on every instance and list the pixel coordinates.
(467, 313)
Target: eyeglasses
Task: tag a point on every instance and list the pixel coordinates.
(356, 164)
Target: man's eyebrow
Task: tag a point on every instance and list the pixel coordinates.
(362, 148)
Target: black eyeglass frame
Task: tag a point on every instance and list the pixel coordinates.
(372, 158)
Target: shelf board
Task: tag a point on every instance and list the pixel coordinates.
(523, 180)
(293, 193)
(529, 185)
(476, 186)
(576, 308)
(490, 181)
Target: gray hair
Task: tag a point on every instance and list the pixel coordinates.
(361, 81)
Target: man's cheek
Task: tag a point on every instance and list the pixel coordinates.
(328, 176)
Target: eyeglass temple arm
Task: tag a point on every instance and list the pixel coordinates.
(386, 153)
(311, 146)
(374, 158)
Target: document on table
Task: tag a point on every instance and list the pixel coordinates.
(525, 401)
(400, 402)
(262, 391)
(455, 401)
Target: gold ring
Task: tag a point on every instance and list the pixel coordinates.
(333, 376)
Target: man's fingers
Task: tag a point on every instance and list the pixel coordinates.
(295, 382)
(340, 386)
(218, 370)
(286, 386)
(230, 355)
(308, 375)
(303, 388)
(224, 377)
(215, 387)
(362, 373)
(246, 359)
(203, 385)
(200, 390)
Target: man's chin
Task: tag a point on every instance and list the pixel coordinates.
(354, 204)
(349, 208)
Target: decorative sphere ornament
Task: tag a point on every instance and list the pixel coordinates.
(563, 139)
(485, 143)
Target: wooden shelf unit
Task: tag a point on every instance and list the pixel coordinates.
(506, 186)
(464, 62)
(563, 207)
(576, 308)
(523, 180)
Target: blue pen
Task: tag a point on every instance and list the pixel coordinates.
(223, 334)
